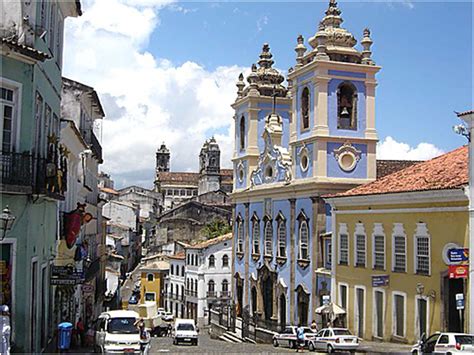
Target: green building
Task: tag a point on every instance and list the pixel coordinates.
(33, 173)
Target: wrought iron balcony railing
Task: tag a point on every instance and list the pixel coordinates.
(225, 294)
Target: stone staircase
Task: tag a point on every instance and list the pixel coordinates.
(231, 337)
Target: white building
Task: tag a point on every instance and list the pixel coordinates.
(175, 295)
(207, 276)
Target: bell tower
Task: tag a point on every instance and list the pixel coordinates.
(162, 159)
(209, 167)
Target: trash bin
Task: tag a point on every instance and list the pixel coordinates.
(64, 335)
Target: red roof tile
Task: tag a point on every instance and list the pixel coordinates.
(179, 256)
(447, 171)
(387, 167)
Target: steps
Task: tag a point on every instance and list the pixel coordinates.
(230, 337)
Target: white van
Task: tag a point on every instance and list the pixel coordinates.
(116, 332)
(185, 331)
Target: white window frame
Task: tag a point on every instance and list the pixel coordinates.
(240, 235)
(374, 312)
(267, 252)
(360, 231)
(339, 298)
(398, 231)
(300, 243)
(379, 232)
(421, 231)
(394, 314)
(417, 329)
(281, 223)
(343, 231)
(356, 308)
(255, 241)
(17, 89)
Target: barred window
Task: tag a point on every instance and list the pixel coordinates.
(240, 236)
(360, 250)
(422, 255)
(399, 254)
(343, 249)
(256, 237)
(304, 240)
(268, 238)
(379, 252)
(282, 239)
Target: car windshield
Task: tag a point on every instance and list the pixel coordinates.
(341, 332)
(185, 326)
(464, 339)
(122, 325)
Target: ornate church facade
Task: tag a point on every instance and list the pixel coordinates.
(294, 144)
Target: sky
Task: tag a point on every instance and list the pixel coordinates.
(166, 71)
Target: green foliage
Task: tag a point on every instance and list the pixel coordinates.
(216, 228)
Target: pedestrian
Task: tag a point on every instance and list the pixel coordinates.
(300, 338)
(80, 331)
(6, 329)
(314, 327)
(169, 329)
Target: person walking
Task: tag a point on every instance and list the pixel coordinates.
(300, 338)
(314, 327)
(6, 329)
(80, 331)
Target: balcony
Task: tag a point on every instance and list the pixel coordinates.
(94, 144)
(24, 173)
(191, 293)
(225, 294)
(211, 294)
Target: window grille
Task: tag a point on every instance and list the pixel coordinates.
(360, 250)
(399, 251)
(422, 255)
(282, 239)
(304, 240)
(268, 238)
(343, 249)
(379, 252)
(256, 237)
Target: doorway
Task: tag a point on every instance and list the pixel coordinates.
(360, 311)
(452, 318)
(254, 300)
(267, 292)
(303, 305)
(239, 283)
(282, 310)
(379, 314)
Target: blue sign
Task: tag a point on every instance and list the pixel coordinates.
(459, 301)
(458, 255)
(380, 280)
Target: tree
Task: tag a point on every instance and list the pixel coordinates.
(216, 228)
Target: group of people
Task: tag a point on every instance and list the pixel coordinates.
(300, 335)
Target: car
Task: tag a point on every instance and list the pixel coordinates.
(185, 331)
(116, 332)
(133, 300)
(333, 339)
(168, 317)
(288, 336)
(445, 343)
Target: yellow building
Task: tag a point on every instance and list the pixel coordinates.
(391, 245)
(152, 277)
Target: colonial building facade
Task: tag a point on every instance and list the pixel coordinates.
(292, 145)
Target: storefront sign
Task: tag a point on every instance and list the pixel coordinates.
(66, 275)
(380, 280)
(459, 301)
(458, 271)
(326, 299)
(458, 255)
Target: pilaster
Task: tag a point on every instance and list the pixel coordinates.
(315, 252)
(292, 260)
(370, 131)
(247, 251)
(320, 108)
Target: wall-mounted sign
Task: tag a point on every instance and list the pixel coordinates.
(458, 255)
(326, 299)
(458, 271)
(380, 280)
(459, 301)
(66, 275)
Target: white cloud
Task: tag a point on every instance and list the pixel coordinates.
(147, 99)
(261, 23)
(391, 149)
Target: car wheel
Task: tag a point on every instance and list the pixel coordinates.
(330, 349)
(311, 346)
(275, 343)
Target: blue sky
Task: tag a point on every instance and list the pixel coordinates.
(167, 71)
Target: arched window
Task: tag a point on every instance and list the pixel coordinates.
(282, 238)
(182, 270)
(150, 277)
(240, 235)
(304, 238)
(212, 261)
(347, 106)
(225, 288)
(225, 261)
(242, 132)
(268, 238)
(172, 269)
(305, 108)
(211, 288)
(256, 236)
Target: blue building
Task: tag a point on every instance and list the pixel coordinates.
(294, 144)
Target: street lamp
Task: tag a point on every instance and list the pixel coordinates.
(7, 221)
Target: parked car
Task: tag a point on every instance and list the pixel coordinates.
(168, 317)
(185, 331)
(445, 343)
(116, 332)
(288, 337)
(333, 339)
(133, 300)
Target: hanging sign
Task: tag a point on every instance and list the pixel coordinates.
(458, 255)
(458, 271)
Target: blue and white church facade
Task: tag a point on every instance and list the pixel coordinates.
(294, 144)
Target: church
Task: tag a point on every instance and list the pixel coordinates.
(294, 144)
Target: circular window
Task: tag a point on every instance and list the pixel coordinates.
(304, 162)
(347, 161)
(269, 172)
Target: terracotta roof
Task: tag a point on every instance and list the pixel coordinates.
(212, 241)
(387, 167)
(176, 178)
(26, 50)
(448, 171)
(179, 256)
(109, 190)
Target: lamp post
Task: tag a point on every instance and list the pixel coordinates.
(7, 221)
(468, 132)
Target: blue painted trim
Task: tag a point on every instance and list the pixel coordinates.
(347, 73)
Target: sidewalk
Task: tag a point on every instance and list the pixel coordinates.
(379, 347)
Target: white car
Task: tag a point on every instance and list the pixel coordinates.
(168, 317)
(185, 331)
(288, 337)
(116, 332)
(332, 339)
(445, 343)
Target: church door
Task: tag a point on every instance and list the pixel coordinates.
(267, 291)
